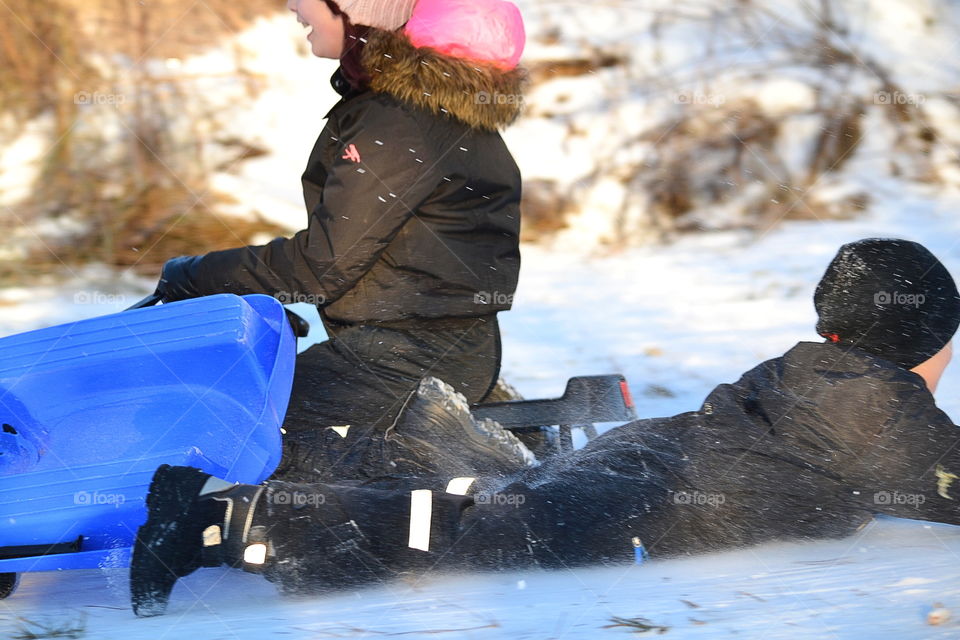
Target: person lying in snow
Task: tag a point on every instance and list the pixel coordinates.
(808, 445)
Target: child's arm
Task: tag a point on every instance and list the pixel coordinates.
(373, 186)
(915, 468)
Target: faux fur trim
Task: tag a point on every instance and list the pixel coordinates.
(481, 95)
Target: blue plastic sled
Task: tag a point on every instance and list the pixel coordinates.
(88, 411)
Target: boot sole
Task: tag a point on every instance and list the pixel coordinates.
(168, 502)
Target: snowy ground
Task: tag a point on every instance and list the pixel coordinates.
(676, 320)
(881, 584)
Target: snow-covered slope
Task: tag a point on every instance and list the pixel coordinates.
(716, 114)
(882, 583)
(676, 320)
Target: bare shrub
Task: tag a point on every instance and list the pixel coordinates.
(716, 156)
(121, 168)
(545, 207)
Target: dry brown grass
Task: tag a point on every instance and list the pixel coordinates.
(157, 224)
(545, 207)
(45, 47)
(153, 202)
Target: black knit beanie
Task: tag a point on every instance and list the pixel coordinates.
(891, 298)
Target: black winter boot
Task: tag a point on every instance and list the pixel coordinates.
(169, 544)
(435, 435)
(193, 520)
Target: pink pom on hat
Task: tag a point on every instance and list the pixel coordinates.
(483, 30)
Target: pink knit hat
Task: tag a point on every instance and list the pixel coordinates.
(483, 30)
(388, 15)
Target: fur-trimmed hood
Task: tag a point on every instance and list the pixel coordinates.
(481, 95)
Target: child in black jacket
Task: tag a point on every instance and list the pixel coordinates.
(411, 247)
(810, 444)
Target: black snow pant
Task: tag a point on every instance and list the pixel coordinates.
(584, 508)
(362, 376)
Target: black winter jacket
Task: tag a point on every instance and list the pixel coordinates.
(808, 445)
(413, 199)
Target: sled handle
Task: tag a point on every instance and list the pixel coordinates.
(300, 326)
(149, 301)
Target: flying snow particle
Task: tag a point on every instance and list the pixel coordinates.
(939, 615)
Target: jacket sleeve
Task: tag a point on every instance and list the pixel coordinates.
(915, 470)
(382, 171)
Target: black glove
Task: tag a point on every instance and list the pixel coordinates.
(177, 279)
